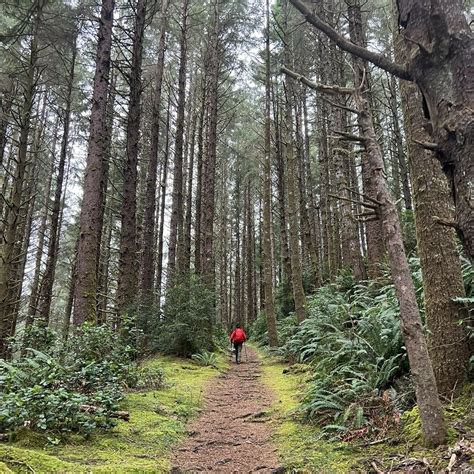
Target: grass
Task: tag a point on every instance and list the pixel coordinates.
(301, 447)
(157, 422)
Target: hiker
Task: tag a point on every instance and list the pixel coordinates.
(237, 338)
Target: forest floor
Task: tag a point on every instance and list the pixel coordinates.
(232, 434)
(233, 418)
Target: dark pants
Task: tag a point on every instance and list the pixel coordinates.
(238, 351)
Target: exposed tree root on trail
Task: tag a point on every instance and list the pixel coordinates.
(232, 433)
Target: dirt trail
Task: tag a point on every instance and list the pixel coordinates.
(232, 433)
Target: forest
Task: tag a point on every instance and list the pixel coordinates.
(170, 169)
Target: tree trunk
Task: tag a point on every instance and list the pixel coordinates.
(177, 214)
(292, 177)
(164, 177)
(209, 162)
(8, 239)
(148, 246)
(90, 221)
(267, 198)
(53, 246)
(374, 232)
(440, 266)
(128, 260)
(441, 66)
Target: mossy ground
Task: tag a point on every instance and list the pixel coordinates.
(157, 422)
(302, 449)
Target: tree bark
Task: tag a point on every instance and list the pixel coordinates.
(53, 245)
(267, 197)
(128, 260)
(440, 266)
(177, 214)
(164, 177)
(209, 162)
(90, 221)
(8, 239)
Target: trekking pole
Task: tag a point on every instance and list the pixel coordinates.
(246, 356)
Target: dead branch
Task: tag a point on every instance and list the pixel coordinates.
(371, 199)
(350, 136)
(343, 198)
(427, 145)
(313, 85)
(446, 222)
(375, 58)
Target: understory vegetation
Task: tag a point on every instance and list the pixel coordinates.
(351, 350)
(166, 394)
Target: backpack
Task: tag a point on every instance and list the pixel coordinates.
(239, 335)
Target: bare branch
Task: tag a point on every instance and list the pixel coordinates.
(428, 145)
(313, 85)
(445, 222)
(378, 59)
(365, 204)
(350, 136)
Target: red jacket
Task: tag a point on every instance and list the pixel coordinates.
(238, 336)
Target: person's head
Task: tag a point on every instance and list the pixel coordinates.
(237, 325)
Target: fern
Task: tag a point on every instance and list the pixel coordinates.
(205, 358)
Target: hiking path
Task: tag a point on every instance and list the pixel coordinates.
(232, 433)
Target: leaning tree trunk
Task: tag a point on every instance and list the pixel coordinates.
(420, 364)
(90, 226)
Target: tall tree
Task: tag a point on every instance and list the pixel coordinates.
(90, 221)
(128, 264)
(267, 196)
(177, 210)
(8, 237)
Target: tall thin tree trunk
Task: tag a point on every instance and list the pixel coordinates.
(177, 214)
(147, 274)
(90, 226)
(53, 246)
(267, 196)
(159, 259)
(292, 176)
(8, 239)
(128, 260)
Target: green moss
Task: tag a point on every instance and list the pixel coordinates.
(299, 445)
(157, 422)
(460, 409)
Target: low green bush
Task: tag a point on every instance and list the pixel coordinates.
(74, 387)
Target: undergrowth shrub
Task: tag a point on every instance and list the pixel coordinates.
(54, 390)
(352, 341)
